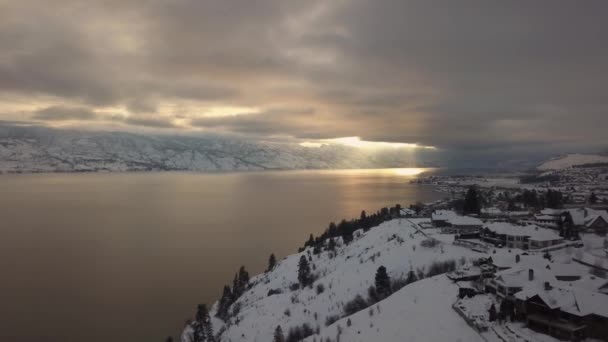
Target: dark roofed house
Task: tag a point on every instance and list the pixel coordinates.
(566, 313)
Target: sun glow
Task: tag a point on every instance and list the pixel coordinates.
(357, 142)
(410, 171)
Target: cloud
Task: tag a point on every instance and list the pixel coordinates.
(458, 75)
(61, 113)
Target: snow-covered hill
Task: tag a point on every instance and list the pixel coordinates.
(346, 273)
(41, 149)
(569, 160)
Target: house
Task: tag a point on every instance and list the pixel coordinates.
(586, 218)
(547, 221)
(491, 212)
(566, 272)
(440, 218)
(462, 225)
(570, 313)
(522, 237)
(407, 212)
(597, 224)
(511, 281)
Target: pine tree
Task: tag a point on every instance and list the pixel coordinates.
(331, 245)
(278, 335)
(272, 262)
(593, 198)
(203, 330)
(411, 276)
(492, 313)
(224, 303)
(383, 282)
(243, 278)
(304, 276)
(472, 202)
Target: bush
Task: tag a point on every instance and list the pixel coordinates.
(320, 288)
(440, 267)
(299, 333)
(355, 305)
(429, 243)
(274, 291)
(294, 287)
(329, 320)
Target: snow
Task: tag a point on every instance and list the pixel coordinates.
(534, 232)
(421, 311)
(395, 245)
(570, 160)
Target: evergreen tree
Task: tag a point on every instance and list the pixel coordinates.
(331, 245)
(243, 276)
(382, 282)
(332, 231)
(203, 330)
(278, 335)
(310, 242)
(593, 198)
(511, 206)
(554, 199)
(304, 275)
(492, 313)
(224, 304)
(236, 287)
(472, 202)
(411, 276)
(272, 262)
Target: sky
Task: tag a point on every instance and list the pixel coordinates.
(466, 76)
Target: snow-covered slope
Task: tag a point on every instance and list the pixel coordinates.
(397, 246)
(41, 149)
(419, 312)
(570, 160)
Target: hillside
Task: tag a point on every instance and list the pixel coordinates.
(350, 272)
(43, 149)
(569, 160)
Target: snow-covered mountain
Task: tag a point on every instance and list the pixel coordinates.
(418, 312)
(569, 160)
(42, 149)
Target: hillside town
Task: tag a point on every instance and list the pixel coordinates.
(547, 252)
(499, 259)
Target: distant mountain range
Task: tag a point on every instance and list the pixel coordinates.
(43, 149)
(569, 160)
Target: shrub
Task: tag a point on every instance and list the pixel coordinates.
(355, 305)
(274, 291)
(320, 288)
(440, 267)
(329, 320)
(429, 243)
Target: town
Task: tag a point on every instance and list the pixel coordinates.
(543, 251)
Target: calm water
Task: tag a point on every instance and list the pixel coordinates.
(126, 257)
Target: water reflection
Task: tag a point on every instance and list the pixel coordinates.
(125, 257)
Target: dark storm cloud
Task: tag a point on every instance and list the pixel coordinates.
(458, 75)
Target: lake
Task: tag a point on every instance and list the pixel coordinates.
(128, 256)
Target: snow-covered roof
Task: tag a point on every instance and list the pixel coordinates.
(575, 300)
(532, 231)
(491, 211)
(566, 270)
(443, 215)
(518, 213)
(465, 221)
(519, 276)
(580, 216)
(506, 258)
